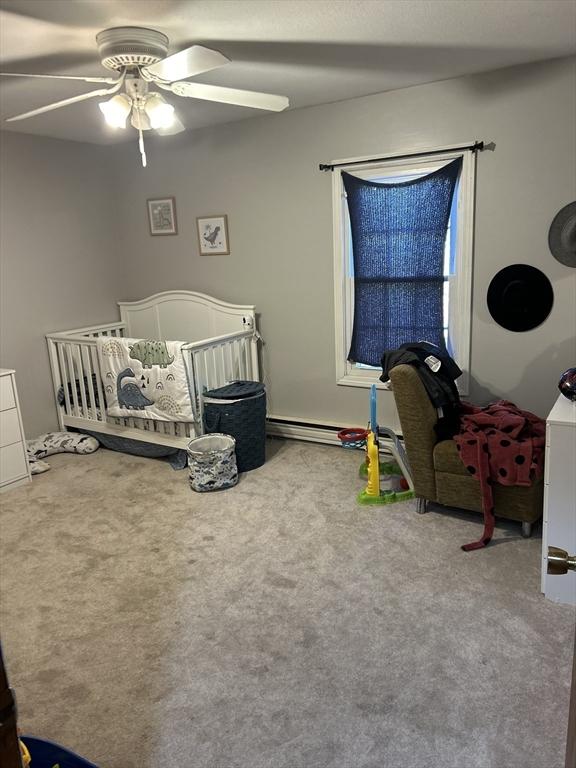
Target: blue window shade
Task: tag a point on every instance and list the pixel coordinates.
(398, 239)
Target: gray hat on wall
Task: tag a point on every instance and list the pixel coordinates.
(562, 235)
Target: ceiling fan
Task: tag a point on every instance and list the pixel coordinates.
(139, 56)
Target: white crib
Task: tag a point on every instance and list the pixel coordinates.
(222, 346)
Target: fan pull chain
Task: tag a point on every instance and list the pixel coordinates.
(141, 146)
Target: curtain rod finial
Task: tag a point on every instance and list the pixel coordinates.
(325, 167)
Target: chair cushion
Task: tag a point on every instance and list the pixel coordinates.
(447, 459)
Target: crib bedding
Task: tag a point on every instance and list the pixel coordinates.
(145, 379)
(176, 457)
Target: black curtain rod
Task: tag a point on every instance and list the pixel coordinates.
(478, 146)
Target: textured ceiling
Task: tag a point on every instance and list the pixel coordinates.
(313, 51)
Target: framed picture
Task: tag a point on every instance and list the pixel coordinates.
(162, 216)
(213, 235)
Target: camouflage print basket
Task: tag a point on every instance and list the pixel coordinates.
(212, 462)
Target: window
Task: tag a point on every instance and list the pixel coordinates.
(457, 260)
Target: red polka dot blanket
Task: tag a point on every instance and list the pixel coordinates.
(499, 444)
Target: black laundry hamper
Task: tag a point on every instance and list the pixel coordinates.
(239, 410)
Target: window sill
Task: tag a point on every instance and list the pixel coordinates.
(356, 380)
(352, 380)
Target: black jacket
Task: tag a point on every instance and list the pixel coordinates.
(439, 385)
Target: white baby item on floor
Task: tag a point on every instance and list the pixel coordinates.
(57, 442)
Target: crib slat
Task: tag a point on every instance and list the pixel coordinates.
(229, 363)
(211, 361)
(208, 368)
(222, 364)
(190, 374)
(237, 373)
(76, 407)
(198, 366)
(56, 379)
(64, 377)
(251, 371)
(92, 411)
(238, 360)
(216, 363)
(247, 359)
(81, 383)
(204, 368)
(242, 359)
(97, 371)
(216, 366)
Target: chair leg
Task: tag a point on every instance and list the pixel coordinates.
(526, 530)
(421, 506)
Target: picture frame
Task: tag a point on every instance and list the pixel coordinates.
(213, 235)
(162, 216)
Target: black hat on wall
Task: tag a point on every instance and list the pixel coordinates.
(562, 235)
(520, 297)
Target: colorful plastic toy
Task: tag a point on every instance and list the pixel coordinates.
(373, 494)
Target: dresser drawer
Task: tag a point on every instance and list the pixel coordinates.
(7, 399)
(13, 465)
(9, 427)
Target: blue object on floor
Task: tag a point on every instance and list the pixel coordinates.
(46, 754)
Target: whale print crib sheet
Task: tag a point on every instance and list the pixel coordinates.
(144, 378)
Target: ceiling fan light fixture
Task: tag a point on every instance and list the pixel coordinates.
(140, 119)
(139, 56)
(116, 110)
(161, 113)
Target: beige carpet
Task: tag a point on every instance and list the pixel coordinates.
(275, 625)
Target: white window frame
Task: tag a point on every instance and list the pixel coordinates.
(460, 314)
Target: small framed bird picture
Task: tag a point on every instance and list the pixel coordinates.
(213, 235)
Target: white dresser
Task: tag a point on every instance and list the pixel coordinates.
(14, 469)
(559, 524)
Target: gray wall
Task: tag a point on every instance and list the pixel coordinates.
(263, 173)
(75, 234)
(58, 266)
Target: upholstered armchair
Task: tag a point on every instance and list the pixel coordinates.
(438, 473)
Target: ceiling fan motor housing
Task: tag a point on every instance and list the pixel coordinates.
(128, 47)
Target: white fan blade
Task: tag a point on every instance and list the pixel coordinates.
(229, 96)
(111, 80)
(189, 62)
(66, 102)
(176, 127)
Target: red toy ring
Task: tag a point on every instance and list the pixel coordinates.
(352, 435)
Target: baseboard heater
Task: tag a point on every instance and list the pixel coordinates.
(312, 431)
